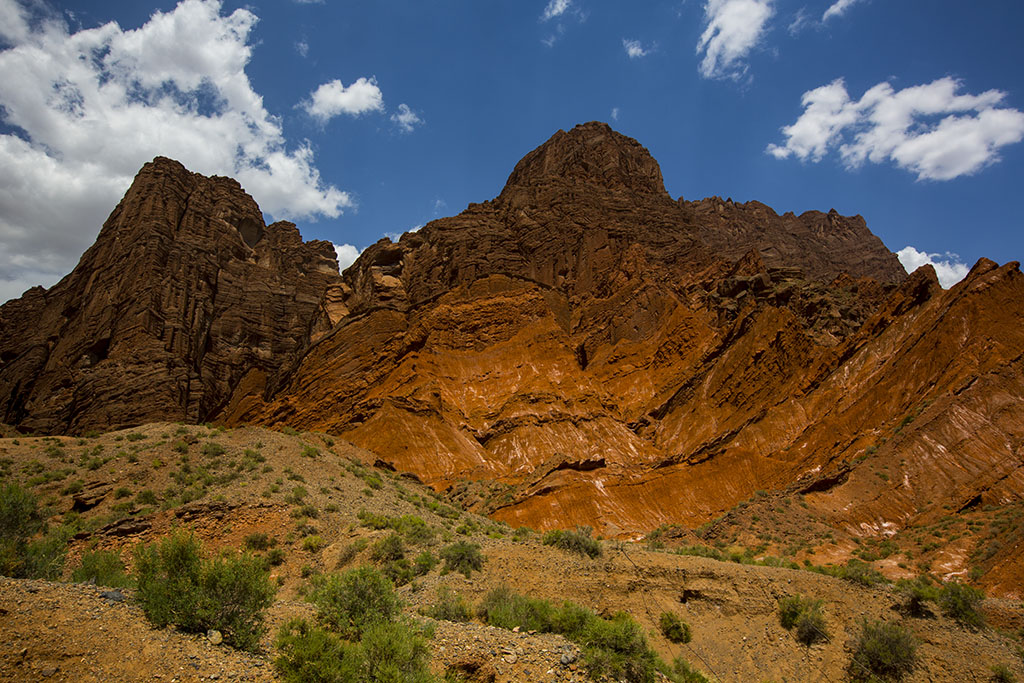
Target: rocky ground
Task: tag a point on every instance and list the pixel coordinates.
(247, 484)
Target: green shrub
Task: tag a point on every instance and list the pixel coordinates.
(258, 541)
(423, 563)
(309, 654)
(388, 549)
(20, 520)
(578, 541)
(685, 673)
(228, 593)
(917, 592)
(213, 449)
(351, 602)
(674, 628)
(1002, 674)
(615, 648)
(962, 602)
(504, 608)
(275, 557)
(394, 651)
(462, 556)
(349, 552)
(450, 606)
(313, 544)
(804, 617)
(884, 650)
(102, 567)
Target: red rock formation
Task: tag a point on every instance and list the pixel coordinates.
(586, 348)
(185, 296)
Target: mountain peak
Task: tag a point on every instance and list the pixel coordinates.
(590, 154)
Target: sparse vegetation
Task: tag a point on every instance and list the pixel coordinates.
(349, 603)
(962, 603)
(176, 585)
(917, 593)
(102, 567)
(578, 541)
(450, 606)
(674, 628)
(22, 554)
(886, 650)
(463, 557)
(804, 617)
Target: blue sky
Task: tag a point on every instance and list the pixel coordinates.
(364, 119)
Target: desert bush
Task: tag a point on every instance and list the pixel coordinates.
(212, 449)
(228, 593)
(423, 563)
(1002, 674)
(102, 567)
(395, 651)
(310, 654)
(578, 541)
(916, 593)
(275, 557)
(684, 673)
(349, 603)
(804, 617)
(504, 608)
(962, 602)
(463, 557)
(313, 544)
(21, 519)
(884, 650)
(349, 552)
(388, 549)
(257, 541)
(613, 648)
(674, 628)
(450, 606)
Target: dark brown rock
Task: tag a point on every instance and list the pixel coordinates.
(185, 295)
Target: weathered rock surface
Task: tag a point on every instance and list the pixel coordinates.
(584, 347)
(605, 355)
(185, 296)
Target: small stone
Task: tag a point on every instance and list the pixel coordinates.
(48, 671)
(214, 636)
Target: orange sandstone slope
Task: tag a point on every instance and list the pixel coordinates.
(605, 355)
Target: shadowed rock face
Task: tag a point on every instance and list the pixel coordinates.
(586, 348)
(185, 295)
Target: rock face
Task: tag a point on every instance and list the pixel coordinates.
(602, 354)
(185, 297)
(582, 349)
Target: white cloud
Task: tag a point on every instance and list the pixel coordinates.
(734, 28)
(929, 130)
(347, 255)
(90, 108)
(635, 49)
(333, 98)
(838, 9)
(555, 8)
(801, 20)
(302, 47)
(406, 119)
(949, 269)
(615, 113)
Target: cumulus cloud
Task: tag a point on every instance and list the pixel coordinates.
(406, 119)
(332, 99)
(555, 8)
(930, 130)
(88, 108)
(615, 113)
(838, 9)
(948, 267)
(734, 28)
(635, 49)
(347, 255)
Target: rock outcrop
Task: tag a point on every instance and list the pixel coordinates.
(582, 349)
(185, 297)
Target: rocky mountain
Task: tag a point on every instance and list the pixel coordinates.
(582, 349)
(185, 297)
